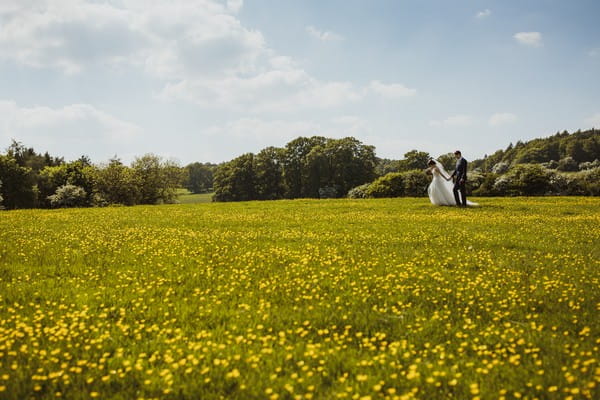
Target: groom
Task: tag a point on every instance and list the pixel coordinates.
(460, 175)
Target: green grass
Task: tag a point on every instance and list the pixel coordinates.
(388, 298)
(184, 196)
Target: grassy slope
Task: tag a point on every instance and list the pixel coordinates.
(323, 299)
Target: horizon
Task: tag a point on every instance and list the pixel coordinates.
(209, 80)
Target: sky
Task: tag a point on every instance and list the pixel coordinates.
(209, 80)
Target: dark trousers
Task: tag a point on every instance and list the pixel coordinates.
(460, 187)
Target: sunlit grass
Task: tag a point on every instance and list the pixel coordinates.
(390, 298)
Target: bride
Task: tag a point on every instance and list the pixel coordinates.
(440, 188)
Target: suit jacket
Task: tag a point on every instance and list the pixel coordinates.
(461, 169)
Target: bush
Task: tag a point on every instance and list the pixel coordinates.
(501, 168)
(390, 185)
(589, 165)
(524, 180)
(552, 164)
(567, 164)
(68, 196)
(415, 183)
(359, 192)
(591, 181)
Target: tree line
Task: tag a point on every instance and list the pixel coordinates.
(32, 180)
(306, 167)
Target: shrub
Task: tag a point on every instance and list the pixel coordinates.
(415, 183)
(567, 164)
(68, 196)
(501, 168)
(389, 185)
(359, 192)
(524, 180)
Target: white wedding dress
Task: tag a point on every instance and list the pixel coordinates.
(440, 190)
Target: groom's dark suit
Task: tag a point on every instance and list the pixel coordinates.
(460, 174)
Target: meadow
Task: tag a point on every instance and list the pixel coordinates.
(303, 299)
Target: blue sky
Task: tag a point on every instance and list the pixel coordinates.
(207, 80)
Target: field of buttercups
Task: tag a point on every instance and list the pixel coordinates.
(303, 299)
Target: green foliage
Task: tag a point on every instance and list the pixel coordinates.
(359, 192)
(415, 183)
(269, 174)
(17, 184)
(390, 185)
(307, 167)
(236, 180)
(199, 177)
(158, 179)
(567, 164)
(524, 180)
(117, 184)
(68, 196)
(579, 146)
(414, 159)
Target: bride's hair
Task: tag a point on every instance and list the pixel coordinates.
(431, 162)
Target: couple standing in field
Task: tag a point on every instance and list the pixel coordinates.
(442, 192)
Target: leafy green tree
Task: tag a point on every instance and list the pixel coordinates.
(269, 174)
(158, 179)
(236, 180)
(414, 159)
(116, 183)
(294, 163)
(199, 177)
(18, 184)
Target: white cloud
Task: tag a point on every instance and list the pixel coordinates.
(460, 120)
(392, 91)
(529, 38)
(593, 121)
(502, 119)
(235, 5)
(82, 124)
(171, 40)
(325, 36)
(483, 14)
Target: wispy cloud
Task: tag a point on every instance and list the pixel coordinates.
(529, 38)
(499, 119)
(90, 128)
(325, 36)
(453, 121)
(483, 14)
(391, 91)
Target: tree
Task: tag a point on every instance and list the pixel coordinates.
(414, 159)
(18, 184)
(199, 177)
(1, 198)
(68, 196)
(236, 180)
(269, 174)
(158, 180)
(294, 163)
(117, 184)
